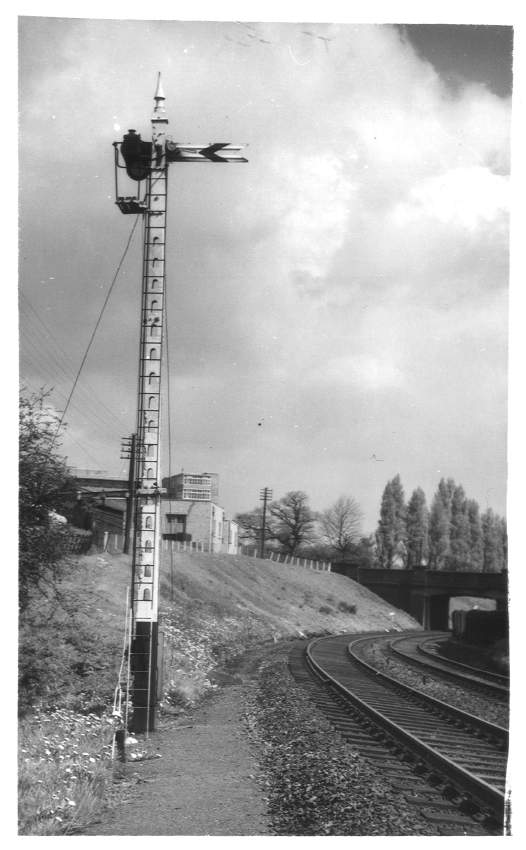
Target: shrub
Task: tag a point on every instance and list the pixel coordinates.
(325, 609)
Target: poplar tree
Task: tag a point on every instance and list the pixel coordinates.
(494, 541)
(391, 533)
(459, 532)
(476, 545)
(439, 525)
(417, 528)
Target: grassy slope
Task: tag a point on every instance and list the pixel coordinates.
(283, 599)
(212, 607)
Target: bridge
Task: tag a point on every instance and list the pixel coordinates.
(425, 594)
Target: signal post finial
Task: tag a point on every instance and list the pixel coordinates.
(159, 111)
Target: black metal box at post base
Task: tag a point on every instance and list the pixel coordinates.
(144, 690)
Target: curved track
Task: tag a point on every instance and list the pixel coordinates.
(401, 657)
(462, 757)
(429, 648)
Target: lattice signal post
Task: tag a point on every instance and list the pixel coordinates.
(146, 163)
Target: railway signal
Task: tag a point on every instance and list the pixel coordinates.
(146, 163)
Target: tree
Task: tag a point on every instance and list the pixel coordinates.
(340, 526)
(417, 528)
(476, 543)
(439, 525)
(459, 532)
(391, 532)
(250, 526)
(494, 541)
(45, 488)
(363, 553)
(292, 521)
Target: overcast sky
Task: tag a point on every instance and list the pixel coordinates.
(337, 307)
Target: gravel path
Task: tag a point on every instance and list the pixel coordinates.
(205, 782)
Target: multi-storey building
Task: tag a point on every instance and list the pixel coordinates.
(189, 510)
(203, 487)
(191, 513)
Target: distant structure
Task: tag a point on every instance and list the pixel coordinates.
(191, 513)
(192, 487)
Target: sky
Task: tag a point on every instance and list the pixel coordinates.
(337, 307)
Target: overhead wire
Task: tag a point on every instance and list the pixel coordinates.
(34, 360)
(59, 356)
(97, 323)
(81, 446)
(90, 343)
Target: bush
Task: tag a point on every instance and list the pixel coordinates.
(325, 609)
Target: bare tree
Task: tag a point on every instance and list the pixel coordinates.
(341, 525)
(250, 526)
(293, 521)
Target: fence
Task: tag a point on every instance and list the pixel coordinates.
(253, 552)
(280, 558)
(186, 546)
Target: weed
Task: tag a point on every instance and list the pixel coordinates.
(345, 608)
(324, 609)
(64, 769)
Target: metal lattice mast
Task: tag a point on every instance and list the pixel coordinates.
(147, 538)
(145, 161)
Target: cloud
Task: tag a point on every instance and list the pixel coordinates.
(464, 198)
(313, 210)
(348, 284)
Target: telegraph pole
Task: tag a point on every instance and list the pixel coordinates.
(128, 452)
(264, 495)
(147, 163)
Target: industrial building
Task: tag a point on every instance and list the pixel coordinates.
(191, 514)
(189, 509)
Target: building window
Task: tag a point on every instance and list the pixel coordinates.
(147, 570)
(197, 495)
(153, 354)
(176, 523)
(197, 481)
(148, 522)
(147, 595)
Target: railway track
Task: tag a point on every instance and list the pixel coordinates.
(431, 648)
(447, 764)
(421, 650)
